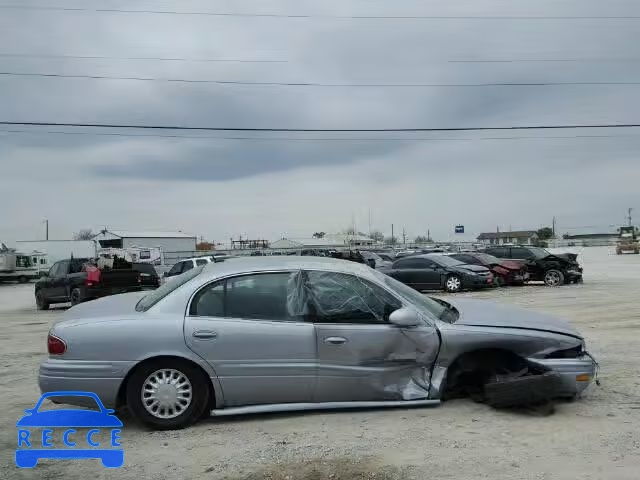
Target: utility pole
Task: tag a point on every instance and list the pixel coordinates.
(428, 235)
(404, 238)
(46, 229)
(392, 237)
(629, 215)
(553, 227)
(369, 223)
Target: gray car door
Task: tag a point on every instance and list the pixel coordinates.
(260, 350)
(360, 355)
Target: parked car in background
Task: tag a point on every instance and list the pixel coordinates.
(274, 334)
(439, 272)
(542, 265)
(77, 280)
(189, 263)
(148, 276)
(389, 257)
(374, 260)
(505, 272)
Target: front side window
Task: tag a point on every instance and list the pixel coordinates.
(343, 298)
(176, 269)
(186, 266)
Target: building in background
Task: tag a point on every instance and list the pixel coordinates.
(520, 237)
(326, 241)
(166, 241)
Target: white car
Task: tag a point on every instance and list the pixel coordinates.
(189, 263)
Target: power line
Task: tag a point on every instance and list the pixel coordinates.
(165, 59)
(315, 139)
(320, 16)
(314, 84)
(284, 129)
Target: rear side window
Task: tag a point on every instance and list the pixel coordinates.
(262, 296)
(201, 261)
(412, 263)
(520, 253)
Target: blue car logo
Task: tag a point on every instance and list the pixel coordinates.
(28, 456)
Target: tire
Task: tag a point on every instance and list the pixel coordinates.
(523, 391)
(453, 284)
(553, 278)
(168, 417)
(41, 303)
(76, 296)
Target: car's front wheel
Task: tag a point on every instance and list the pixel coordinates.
(167, 394)
(553, 278)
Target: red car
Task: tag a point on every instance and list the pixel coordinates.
(506, 272)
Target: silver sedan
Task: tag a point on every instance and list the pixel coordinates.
(292, 333)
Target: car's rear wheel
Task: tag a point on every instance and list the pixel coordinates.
(453, 284)
(41, 303)
(553, 278)
(167, 394)
(76, 296)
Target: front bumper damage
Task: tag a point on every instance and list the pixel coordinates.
(576, 373)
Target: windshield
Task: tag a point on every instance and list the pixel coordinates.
(158, 294)
(422, 302)
(539, 252)
(445, 260)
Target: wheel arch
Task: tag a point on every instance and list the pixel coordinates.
(477, 359)
(215, 391)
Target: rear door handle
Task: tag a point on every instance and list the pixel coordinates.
(335, 340)
(204, 334)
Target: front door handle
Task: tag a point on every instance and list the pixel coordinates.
(335, 340)
(204, 334)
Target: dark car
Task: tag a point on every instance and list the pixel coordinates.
(439, 272)
(542, 265)
(148, 276)
(505, 272)
(77, 280)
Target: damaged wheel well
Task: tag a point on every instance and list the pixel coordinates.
(467, 374)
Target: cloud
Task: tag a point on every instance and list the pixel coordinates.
(222, 188)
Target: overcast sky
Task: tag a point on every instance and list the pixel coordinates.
(288, 184)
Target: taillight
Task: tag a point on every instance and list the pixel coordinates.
(55, 346)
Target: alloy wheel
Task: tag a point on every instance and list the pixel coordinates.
(453, 284)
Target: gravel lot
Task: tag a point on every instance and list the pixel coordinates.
(597, 437)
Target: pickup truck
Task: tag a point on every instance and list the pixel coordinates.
(76, 280)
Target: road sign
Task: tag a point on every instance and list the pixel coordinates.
(459, 228)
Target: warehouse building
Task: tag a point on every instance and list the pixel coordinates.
(166, 241)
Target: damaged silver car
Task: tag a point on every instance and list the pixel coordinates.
(270, 334)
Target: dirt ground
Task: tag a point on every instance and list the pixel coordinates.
(596, 437)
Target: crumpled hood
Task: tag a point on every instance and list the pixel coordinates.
(102, 308)
(490, 314)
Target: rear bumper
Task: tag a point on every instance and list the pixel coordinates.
(102, 378)
(576, 373)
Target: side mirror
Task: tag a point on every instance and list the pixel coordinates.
(404, 317)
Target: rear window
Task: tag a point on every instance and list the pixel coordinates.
(158, 294)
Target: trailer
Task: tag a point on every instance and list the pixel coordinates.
(49, 252)
(628, 241)
(17, 267)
